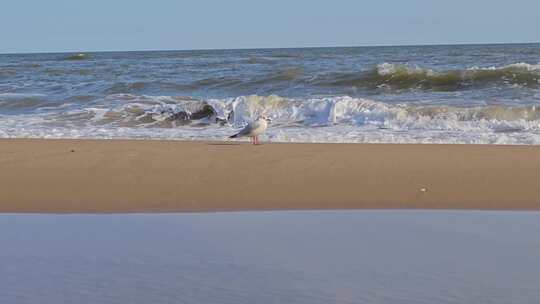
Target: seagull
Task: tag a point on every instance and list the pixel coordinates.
(254, 129)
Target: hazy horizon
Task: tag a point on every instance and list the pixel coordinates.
(271, 48)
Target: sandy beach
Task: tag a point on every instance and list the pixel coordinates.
(103, 176)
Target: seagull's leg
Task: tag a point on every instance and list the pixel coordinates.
(257, 139)
(252, 139)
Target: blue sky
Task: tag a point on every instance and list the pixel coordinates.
(90, 25)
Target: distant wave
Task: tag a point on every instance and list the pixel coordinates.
(80, 56)
(383, 76)
(16, 101)
(404, 76)
(260, 60)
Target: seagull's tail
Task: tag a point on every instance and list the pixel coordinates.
(234, 136)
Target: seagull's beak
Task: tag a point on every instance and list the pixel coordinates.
(268, 119)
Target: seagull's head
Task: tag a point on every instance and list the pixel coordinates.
(262, 117)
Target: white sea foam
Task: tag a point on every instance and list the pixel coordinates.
(332, 119)
(385, 69)
(515, 66)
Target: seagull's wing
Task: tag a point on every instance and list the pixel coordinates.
(249, 128)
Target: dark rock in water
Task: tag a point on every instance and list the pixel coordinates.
(205, 112)
(179, 116)
(187, 117)
(80, 56)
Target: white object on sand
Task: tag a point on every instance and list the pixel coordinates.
(254, 129)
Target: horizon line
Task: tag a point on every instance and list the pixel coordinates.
(271, 48)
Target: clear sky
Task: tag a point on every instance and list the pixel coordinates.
(89, 25)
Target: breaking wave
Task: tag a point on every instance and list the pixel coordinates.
(319, 119)
(143, 110)
(405, 76)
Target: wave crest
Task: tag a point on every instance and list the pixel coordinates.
(405, 76)
(171, 112)
(332, 119)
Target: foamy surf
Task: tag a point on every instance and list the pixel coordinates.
(333, 119)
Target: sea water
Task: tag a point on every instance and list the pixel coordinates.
(485, 94)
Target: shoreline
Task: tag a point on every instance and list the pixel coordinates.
(158, 176)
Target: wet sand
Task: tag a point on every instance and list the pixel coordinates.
(301, 257)
(103, 176)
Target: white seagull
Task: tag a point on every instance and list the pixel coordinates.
(254, 129)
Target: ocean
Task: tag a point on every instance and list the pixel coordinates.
(482, 94)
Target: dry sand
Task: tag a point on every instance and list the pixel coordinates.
(163, 176)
